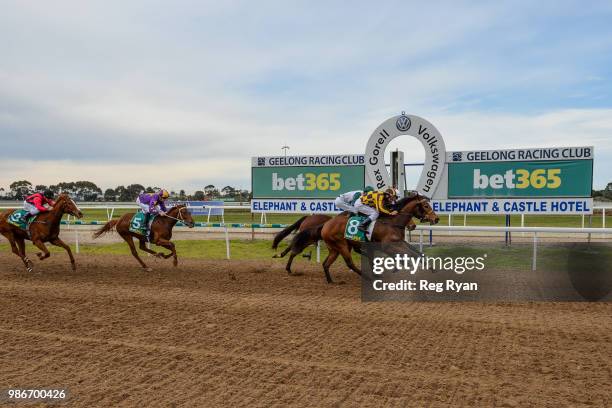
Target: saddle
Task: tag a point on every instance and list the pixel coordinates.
(138, 226)
(17, 218)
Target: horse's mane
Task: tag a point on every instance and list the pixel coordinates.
(399, 204)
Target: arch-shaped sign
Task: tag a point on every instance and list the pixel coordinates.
(410, 125)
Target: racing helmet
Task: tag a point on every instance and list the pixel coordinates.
(164, 194)
(48, 194)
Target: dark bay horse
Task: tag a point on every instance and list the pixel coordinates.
(161, 232)
(44, 228)
(388, 230)
(304, 223)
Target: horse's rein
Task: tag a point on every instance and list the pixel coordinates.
(182, 219)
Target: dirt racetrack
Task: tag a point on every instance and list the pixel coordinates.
(232, 333)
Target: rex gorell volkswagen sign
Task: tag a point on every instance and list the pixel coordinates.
(410, 125)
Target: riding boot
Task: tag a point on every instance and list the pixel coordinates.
(363, 225)
(147, 217)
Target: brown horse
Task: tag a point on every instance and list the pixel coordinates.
(161, 232)
(311, 235)
(304, 223)
(388, 230)
(44, 228)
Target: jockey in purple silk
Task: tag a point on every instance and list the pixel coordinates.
(152, 203)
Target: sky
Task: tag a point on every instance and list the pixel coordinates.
(181, 94)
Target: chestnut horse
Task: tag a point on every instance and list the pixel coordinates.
(44, 228)
(161, 232)
(388, 230)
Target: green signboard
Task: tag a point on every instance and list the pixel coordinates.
(310, 182)
(555, 178)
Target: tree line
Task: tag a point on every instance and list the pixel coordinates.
(89, 191)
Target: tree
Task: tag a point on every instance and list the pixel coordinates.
(228, 191)
(182, 195)
(40, 187)
(110, 194)
(20, 189)
(608, 191)
(132, 191)
(198, 195)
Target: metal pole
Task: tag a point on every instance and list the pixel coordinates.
(590, 225)
(430, 238)
(252, 228)
(76, 235)
(535, 251)
(227, 243)
(421, 241)
(522, 223)
(450, 222)
(464, 220)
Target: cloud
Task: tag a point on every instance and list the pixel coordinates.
(177, 93)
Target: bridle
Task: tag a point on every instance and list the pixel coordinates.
(180, 215)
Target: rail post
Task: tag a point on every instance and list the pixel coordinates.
(535, 251)
(318, 251)
(227, 242)
(76, 240)
(421, 241)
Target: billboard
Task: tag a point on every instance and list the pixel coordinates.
(569, 178)
(303, 184)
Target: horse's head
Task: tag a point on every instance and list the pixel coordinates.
(181, 213)
(418, 206)
(68, 205)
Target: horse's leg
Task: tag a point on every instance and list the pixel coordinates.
(345, 251)
(288, 267)
(143, 247)
(130, 242)
(282, 254)
(18, 248)
(331, 258)
(58, 242)
(168, 245)
(45, 252)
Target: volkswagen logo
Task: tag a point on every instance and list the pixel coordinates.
(403, 123)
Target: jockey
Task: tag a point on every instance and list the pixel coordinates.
(35, 204)
(373, 203)
(346, 201)
(152, 203)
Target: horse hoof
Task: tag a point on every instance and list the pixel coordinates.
(275, 256)
(148, 269)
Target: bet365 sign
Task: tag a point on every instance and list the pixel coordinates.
(553, 178)
(306, 177)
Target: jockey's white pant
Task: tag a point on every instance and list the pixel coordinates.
(31, 208)
(366, 209)
(143, 207)
(343, 205)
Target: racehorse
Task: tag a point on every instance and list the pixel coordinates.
(161, 232)
(304, 223)
(388, 230)
(44, 228)
(310, 235)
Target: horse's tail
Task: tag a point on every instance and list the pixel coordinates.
(281, 235)
(108, 227)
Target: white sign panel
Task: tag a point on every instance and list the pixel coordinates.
(565, 206)
(297, 206)
(535, 154)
